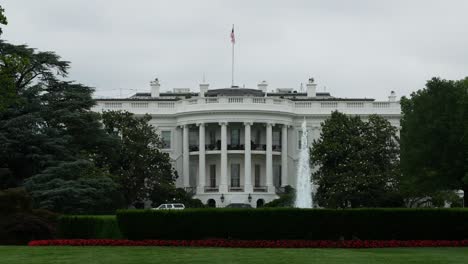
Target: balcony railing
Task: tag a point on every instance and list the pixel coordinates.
(257, 103)
(213, 146)
(254, 146)
(235, 147)
(211, 189)
(194, 148)
(236, 188)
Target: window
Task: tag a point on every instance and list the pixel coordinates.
(276, 138)
(166, 139)
(212, 137)
(213, 175)
(235, 137)
(257, 175)
(193, 137)
(277, 175)
(258, 136)
(235, 175)
(299, 139)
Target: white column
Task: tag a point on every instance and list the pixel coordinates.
(269, 158)
(186, 155)
(284, 156)
(201, 158)
(247, 159)
(223, 184)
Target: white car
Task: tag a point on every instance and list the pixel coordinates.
(175, 206)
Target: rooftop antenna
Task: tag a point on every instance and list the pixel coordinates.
(204, 78)
(302, 88)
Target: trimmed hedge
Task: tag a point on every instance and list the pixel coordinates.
(285, 223)
(89, 226)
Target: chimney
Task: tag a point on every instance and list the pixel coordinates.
(155, 88)
(203, 89)
(392, 97)
(263, 87)
(311, 88)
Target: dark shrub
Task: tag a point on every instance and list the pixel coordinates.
(88, 226)
(14, 200)
(19, 223)
(290, 223)
(20, 228)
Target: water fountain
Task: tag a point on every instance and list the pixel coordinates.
(303, 185)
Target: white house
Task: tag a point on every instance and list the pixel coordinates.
(239, 145)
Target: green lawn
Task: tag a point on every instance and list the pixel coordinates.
(141, 255)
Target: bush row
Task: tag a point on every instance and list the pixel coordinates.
(89, 226)
(253, 243)
(284, 223)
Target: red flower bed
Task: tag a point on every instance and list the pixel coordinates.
(254, 243)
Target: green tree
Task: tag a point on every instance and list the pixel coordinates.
(3, 19)
(75, 187)
(141, 168)
(434, 139)
(357, 162)
(46, 129)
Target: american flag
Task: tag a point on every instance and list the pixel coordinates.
(233, 38)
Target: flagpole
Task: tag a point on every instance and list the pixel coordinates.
(232, 42)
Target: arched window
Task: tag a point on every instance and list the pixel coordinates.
(211, 203)
(260, 203)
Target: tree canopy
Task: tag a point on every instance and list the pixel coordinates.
(49, 137)
(434, 136)
(357, 161)
(3, 19)
(141, 168)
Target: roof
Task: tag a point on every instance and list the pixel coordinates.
(234, 92)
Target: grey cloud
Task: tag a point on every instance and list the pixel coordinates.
(360, 48)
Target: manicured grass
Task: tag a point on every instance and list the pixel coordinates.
(141, 255)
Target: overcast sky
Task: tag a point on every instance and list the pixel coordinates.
(351, 48)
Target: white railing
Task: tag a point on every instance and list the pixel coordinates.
(235, 100)
(254, 104)
(139, 105)
(259, 100)
(166, 104)
(355, 105)
(112, 105)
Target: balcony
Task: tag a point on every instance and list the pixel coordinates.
(256, 104)
(216, 146)
(235, 147)
(254, 146)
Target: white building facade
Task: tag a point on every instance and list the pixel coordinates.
(238, 145)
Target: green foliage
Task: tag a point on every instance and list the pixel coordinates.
(358, 162)
(50, 141)
(434, 139)
(14, 200)
(89, 226)
(75, 187)
(285, 200)
(288, 223)
(19, 223)
(3, 19)
(141, 168)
